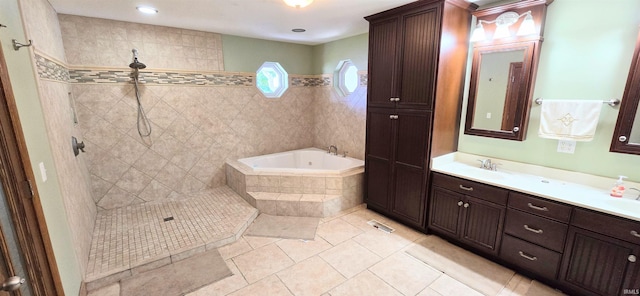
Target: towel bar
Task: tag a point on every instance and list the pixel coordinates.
(612, 102)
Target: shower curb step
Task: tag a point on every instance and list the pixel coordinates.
(299, 205)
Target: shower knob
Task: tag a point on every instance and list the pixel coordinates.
(77, 147)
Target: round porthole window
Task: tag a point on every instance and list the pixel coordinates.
(272, 80)
(345, 78)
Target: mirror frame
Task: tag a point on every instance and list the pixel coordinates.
(521, 116)
(531, 44)
(628, 108)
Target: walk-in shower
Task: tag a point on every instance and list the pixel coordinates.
(143, 124)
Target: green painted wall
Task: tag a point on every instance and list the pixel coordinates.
(27, 99)
(327, 56)
(586, 54)
(243, 54)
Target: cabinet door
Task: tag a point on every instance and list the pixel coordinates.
(383, 45)
(379, 149)
(482, 224)
(444, 211)
(410, 160)
(418, 57)
(595, 264)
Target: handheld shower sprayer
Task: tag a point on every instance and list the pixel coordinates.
(143, 121)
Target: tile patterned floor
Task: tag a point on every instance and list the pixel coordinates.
(347, 257)
(129, 237)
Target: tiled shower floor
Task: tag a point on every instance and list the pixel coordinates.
(133, 238)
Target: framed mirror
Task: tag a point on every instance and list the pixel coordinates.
(499, 93)
(626, 136)
(506, 48)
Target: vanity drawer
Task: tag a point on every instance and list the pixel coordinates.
(531, 257)
(619, 228)
(544, 232)
(478, 190)
(540, 207)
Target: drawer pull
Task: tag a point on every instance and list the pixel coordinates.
(466, 204)
(537, 207)
(466, 188)
(538, 231)
(635, 233)
(523, 255)
(460, 203)
(632, 258)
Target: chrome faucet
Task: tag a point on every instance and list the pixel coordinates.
(334, 148)
(486, 164)
(636, 189)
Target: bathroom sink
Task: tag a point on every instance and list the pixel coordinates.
(476, 172)
(624, 204)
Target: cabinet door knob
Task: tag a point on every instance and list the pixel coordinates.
(532, 258)
(632, 258)
(460, 203)
(466, 204)
(635, 233)
(538, 231)
(393, 116)
(397, 99)
(516, 129)
(466, 188)
(537, 208)
(392, 99)
(622, 139)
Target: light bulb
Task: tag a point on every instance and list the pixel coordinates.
(502, 31)
(478, 33)
(527, 27)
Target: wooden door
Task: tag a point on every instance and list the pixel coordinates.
(444, 211)
(379, 149)
(482, 223)
(382, 63)
(11, 259)
(514, 92)
(595, 264)
(409, 167)
(21, 202)
(418, 57)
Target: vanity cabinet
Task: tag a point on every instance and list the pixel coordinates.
(413, 103)
(601, 255)
(534, 234)
(469, 212)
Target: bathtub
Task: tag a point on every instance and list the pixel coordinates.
(303, 161)
(305, 182)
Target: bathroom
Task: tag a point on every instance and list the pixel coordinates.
(586, 61)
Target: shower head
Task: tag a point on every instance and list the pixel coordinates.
(136, 64)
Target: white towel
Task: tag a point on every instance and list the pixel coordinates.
(569, 119)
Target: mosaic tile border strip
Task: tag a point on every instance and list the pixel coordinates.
(48, 69)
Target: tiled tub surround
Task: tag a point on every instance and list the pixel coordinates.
(579, 189)
(137, 238)
(302, 194)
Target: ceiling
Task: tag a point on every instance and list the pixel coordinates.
(324, 20)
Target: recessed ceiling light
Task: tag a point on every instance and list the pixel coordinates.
(298, 30)
(298, 3)
(147, 9)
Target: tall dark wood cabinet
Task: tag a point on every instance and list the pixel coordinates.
(417, 61)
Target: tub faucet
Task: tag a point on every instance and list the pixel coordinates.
(333, 147)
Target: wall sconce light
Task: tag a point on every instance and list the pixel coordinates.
(503, 22)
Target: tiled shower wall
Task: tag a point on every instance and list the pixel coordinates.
(41, 25)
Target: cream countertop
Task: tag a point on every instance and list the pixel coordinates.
(579, 189)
